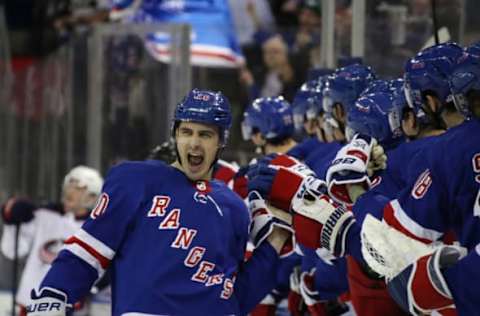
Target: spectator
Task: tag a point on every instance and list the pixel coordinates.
(249, 16)
(278, 76)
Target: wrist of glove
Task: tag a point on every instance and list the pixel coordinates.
(421, 287)
(278, 179)
(17, 211)
(348, 175)
(48, 302)
(296, 304)
(265, 219)
(319, 222)
(310, 296)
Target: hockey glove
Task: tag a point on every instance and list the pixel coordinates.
(348, 174)
(278, 179)
(17, 211)
(240, 182)
(310, 296)
(318, 221)
(421, 287)
(267, 307)
(48, 302)
(295, 302)
(264, 221)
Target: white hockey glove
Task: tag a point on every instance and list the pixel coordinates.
(318, 221)
(265, 219)
(348, 174)
(47, 302)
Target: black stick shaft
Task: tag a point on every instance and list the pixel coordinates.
(435, 22)
(15, 268)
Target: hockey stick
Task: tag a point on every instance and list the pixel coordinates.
(15, 268)
(434, 20)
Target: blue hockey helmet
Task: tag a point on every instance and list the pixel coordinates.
(427, 72)
(378, 85)
(307, 102)
(207, 107)
(272, 117)
(346, 85)
(473, 49)
(465, 79)
(374, 115)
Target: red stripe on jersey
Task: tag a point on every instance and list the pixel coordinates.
(424, 293)
(391, 220)
(224, 174)
(104, 262)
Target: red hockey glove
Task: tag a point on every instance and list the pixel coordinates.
(311, 297)
(421, 287)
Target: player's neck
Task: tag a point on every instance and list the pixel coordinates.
(430, 132)
(282, 148)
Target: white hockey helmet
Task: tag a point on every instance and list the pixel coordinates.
(85, 177)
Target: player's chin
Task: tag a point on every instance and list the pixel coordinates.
(197, 172)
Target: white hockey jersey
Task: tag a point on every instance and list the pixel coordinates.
(41, 239)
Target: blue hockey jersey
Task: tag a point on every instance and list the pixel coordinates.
(443, 191)
(174, 247)
(445, 196)
(389, 182)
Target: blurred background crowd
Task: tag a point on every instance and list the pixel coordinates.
(94, 81)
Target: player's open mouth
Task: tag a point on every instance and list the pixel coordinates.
(195, 160)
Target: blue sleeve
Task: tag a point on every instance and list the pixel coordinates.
(353, 242)
(88, 253)
(462, 281)
(370, 202)
(257, 277)
(331, 279)
(285, 268)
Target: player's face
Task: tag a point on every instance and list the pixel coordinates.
(310, 126)
(74, 199)
(197, 146)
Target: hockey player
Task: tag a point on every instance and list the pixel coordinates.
(44, 229)
(434, 202)
(269, 124)
(441, 201)
(173, 239)
(341, 91)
